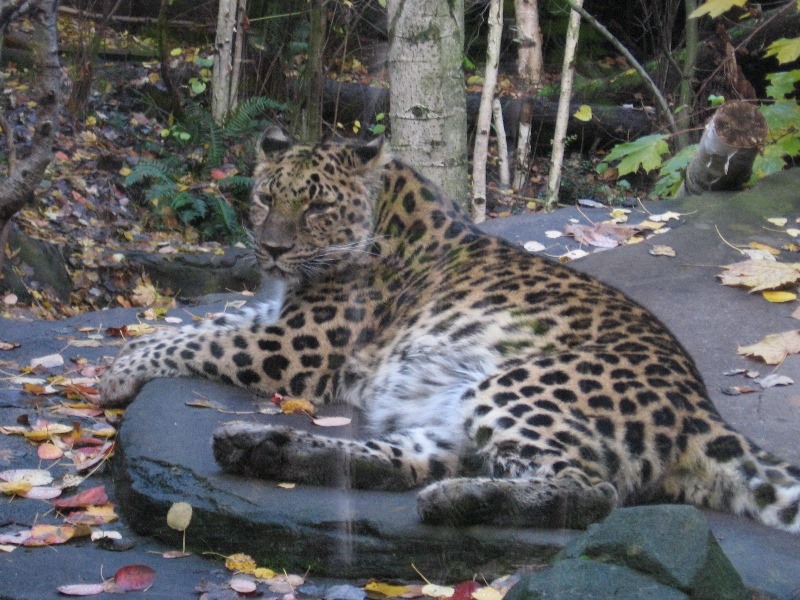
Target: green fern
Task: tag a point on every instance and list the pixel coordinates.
(148, 170)
(238, 184)
(243, 120)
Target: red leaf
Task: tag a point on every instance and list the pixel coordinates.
(134, 577)
(218, 174)
(95, 496)
(464, 590)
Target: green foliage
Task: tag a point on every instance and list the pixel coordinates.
(644, 153)
(672, 171)
(194, 179)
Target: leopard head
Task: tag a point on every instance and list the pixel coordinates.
(312, 207)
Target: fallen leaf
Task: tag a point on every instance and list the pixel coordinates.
(773, 380)
(438, 591)
(664, 217)
(179, 516)
(243, 584)
(31, 476)
(175, 554)
(386, 589)
(95, 496)
(93, 515)
(778, 296)
(8, 345)
(487, 593)
(774, 348)
(332, 421)
(43, 492)
(50, 535)
(553, 234)
(133, 578)
(263, 573)
(242, 563)
(660, 250)
(292, 406)
(48, 362)
(778, 221)
(760, 275)
(754, 254)
(15, 488)
(82, 589)
(284, 485)
(760, 246)
(464, 590)
(533, 246)
(48, 451)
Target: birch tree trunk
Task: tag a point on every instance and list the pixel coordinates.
(427, 97)
(529, 33)
(495, 23)
(227, 62)
(562, 116)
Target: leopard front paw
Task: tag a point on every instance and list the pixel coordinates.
(118, 386)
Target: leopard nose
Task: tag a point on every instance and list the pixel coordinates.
(277, 251)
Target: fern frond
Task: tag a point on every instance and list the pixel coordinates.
(243, 121)
(236, 183)
(148, 170)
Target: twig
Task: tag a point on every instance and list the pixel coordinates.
(662, 102)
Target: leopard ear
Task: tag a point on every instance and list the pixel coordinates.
(273, 140)
(368, 156)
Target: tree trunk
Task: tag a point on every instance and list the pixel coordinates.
(485, 112)
(428, 108)
(225, 75)
(731, 141)
(562, 118)
(529, 57)
(315, 75)
(16, 190)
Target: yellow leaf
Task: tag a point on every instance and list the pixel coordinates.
(176, 52)
(760, 274)
(124, 172)
(14, 488)
(242, 563)
(179, 516)
(263, 573)
(386, 589)
(297, 405)
(584, 113)
(715, 8)
(487, 593)
(759, 246)
(774, 348)
(779, 296)
(287, 486)
(778, 221)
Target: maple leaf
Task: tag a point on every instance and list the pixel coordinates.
(774, 348)
(715, 8)
(760, 275)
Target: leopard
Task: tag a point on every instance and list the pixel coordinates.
(504, 387)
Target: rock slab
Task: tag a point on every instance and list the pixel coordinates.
(665, 551)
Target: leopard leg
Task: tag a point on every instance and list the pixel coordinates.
(563, 501)
(396, 462)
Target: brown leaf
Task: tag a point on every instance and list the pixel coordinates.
(760, 275)
(774, 348)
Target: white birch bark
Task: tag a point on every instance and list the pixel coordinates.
(562, 115)
(529, 57)
(502, 144)
(426, 86)
(227, 59)
(481, 149)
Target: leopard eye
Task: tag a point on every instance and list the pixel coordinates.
(317, 208)
(264, 199)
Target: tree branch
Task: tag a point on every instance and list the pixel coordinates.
(662, 102)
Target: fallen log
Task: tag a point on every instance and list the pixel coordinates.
(349, 102)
